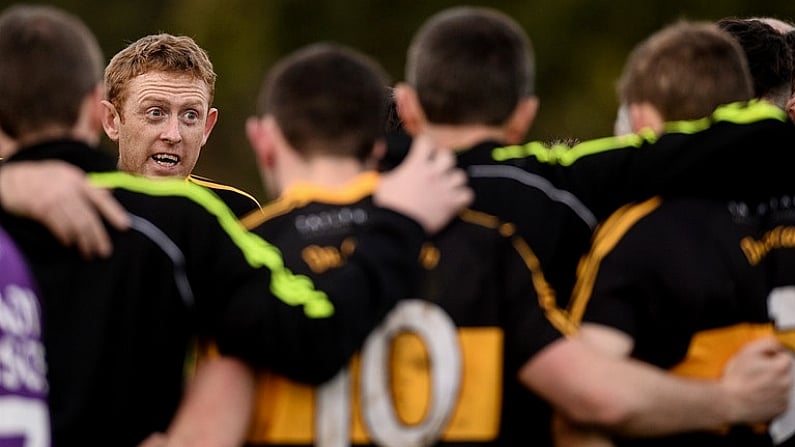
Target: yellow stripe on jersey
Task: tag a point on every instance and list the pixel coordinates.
(546, 295)
(710, 350)
(286, 410)
(302, 193)
(479, 218)
(292, 289)
(253, 218)
(201, 181)
(605, 239)
(777, 238)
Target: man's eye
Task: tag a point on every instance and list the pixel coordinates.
(154, 113)
(192, 116)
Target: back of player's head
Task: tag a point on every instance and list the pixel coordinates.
(768, 54)
(50, 62)
(327, 99)
(686, 70)
(157, 53)
(470, 65)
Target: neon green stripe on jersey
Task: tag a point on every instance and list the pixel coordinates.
(565, 155)
(291, 288)
(688, 127)
(738, 112)
(568, 156)
(750, 112)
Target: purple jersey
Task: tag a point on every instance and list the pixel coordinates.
(24, 419)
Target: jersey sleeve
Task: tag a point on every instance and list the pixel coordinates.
(255, 308)
(308, 331)
(733, 154)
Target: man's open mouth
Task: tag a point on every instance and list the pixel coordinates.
(166, 159)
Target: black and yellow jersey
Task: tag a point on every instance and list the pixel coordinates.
(556, 195)
(443, 365)
(240, 202)
(554, 198)
(117, 329)
(690, 280)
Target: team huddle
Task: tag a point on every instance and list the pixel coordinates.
(471, 288)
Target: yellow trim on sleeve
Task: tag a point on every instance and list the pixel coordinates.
(291, 288)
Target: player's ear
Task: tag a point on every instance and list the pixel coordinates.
(521, 119)
(409, 108)
(258, 138)
(644, 115)
(209, 124)
(110, 120)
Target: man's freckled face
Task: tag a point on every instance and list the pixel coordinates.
(163, 124)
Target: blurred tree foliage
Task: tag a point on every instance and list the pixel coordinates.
(580, 46)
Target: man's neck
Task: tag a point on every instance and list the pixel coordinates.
(323, 171)
(463, 137)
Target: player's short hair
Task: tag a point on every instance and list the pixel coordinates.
(686, 70)
(470, 65)
(327, 98)
(768, 54)
(49, 62)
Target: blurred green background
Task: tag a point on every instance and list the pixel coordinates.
(580, 46)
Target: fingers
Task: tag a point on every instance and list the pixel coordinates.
(759, 378)
(767, 345)
(443, 165)
(764, 354)
(109, 208)
(464, 196)
(75, 222)
(456, 179)
(58, 196)
(426, 186)
(422, 149)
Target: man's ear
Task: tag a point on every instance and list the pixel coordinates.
(409, 109)
(110, 120)
(212, 118)
(643, 115)
(521, 119)
(260, 136)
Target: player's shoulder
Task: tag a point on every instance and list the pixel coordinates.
(238, 200)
